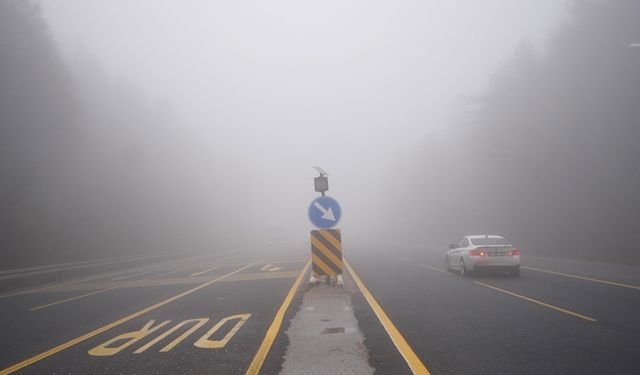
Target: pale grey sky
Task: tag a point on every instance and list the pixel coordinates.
(279, 86)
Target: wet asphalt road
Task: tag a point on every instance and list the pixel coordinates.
(211, 314)
(222, 306)
(460, 325)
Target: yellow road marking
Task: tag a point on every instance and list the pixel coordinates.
(126, 339)
(55, 286)
(77, 340)
(415, 364)
(205, 341)
(519, 296)
(99, 291)
(199, 323)
(203, 272)
(302, 260)
(46, 287)
(187, 281)
(272, 332)
(583, 278)
(264, 276)
(568, 312)
(71, 299)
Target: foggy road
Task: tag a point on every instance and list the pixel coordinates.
(537, 323)
(73, 335)
(162, 164)
(165, 318)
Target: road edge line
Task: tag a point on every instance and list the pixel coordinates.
(38, 357)
(415, 364)
(274, 328)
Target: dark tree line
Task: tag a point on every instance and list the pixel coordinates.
(89, 167)
(549, 155)
(560, 133)
(35, 112)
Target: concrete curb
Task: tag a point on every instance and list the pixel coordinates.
(324, 336)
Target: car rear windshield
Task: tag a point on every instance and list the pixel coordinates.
(490, 242)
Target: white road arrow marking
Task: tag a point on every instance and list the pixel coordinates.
(270, 268)
(326, 214)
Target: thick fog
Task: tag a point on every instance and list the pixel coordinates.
(158, 126)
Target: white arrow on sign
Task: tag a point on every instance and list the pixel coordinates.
(326, 214)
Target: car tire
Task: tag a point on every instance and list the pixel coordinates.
(463, 268)
(446, 262)
(515, 271)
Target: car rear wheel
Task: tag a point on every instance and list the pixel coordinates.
(515, 271)
(463, 268)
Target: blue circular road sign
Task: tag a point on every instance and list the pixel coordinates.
(324, 212)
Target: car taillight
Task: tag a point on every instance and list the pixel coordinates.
(514, 252)
(478, 253)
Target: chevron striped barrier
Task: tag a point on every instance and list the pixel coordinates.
(326, 252)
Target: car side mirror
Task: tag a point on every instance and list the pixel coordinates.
(452, 246)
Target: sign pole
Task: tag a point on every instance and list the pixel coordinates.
(326, 242)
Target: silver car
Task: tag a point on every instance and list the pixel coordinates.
(485, 251)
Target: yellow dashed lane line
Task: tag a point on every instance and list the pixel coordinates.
(520, 296)
(607, 282)
(553, 307)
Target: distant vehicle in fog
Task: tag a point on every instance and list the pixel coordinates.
(483, 252)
